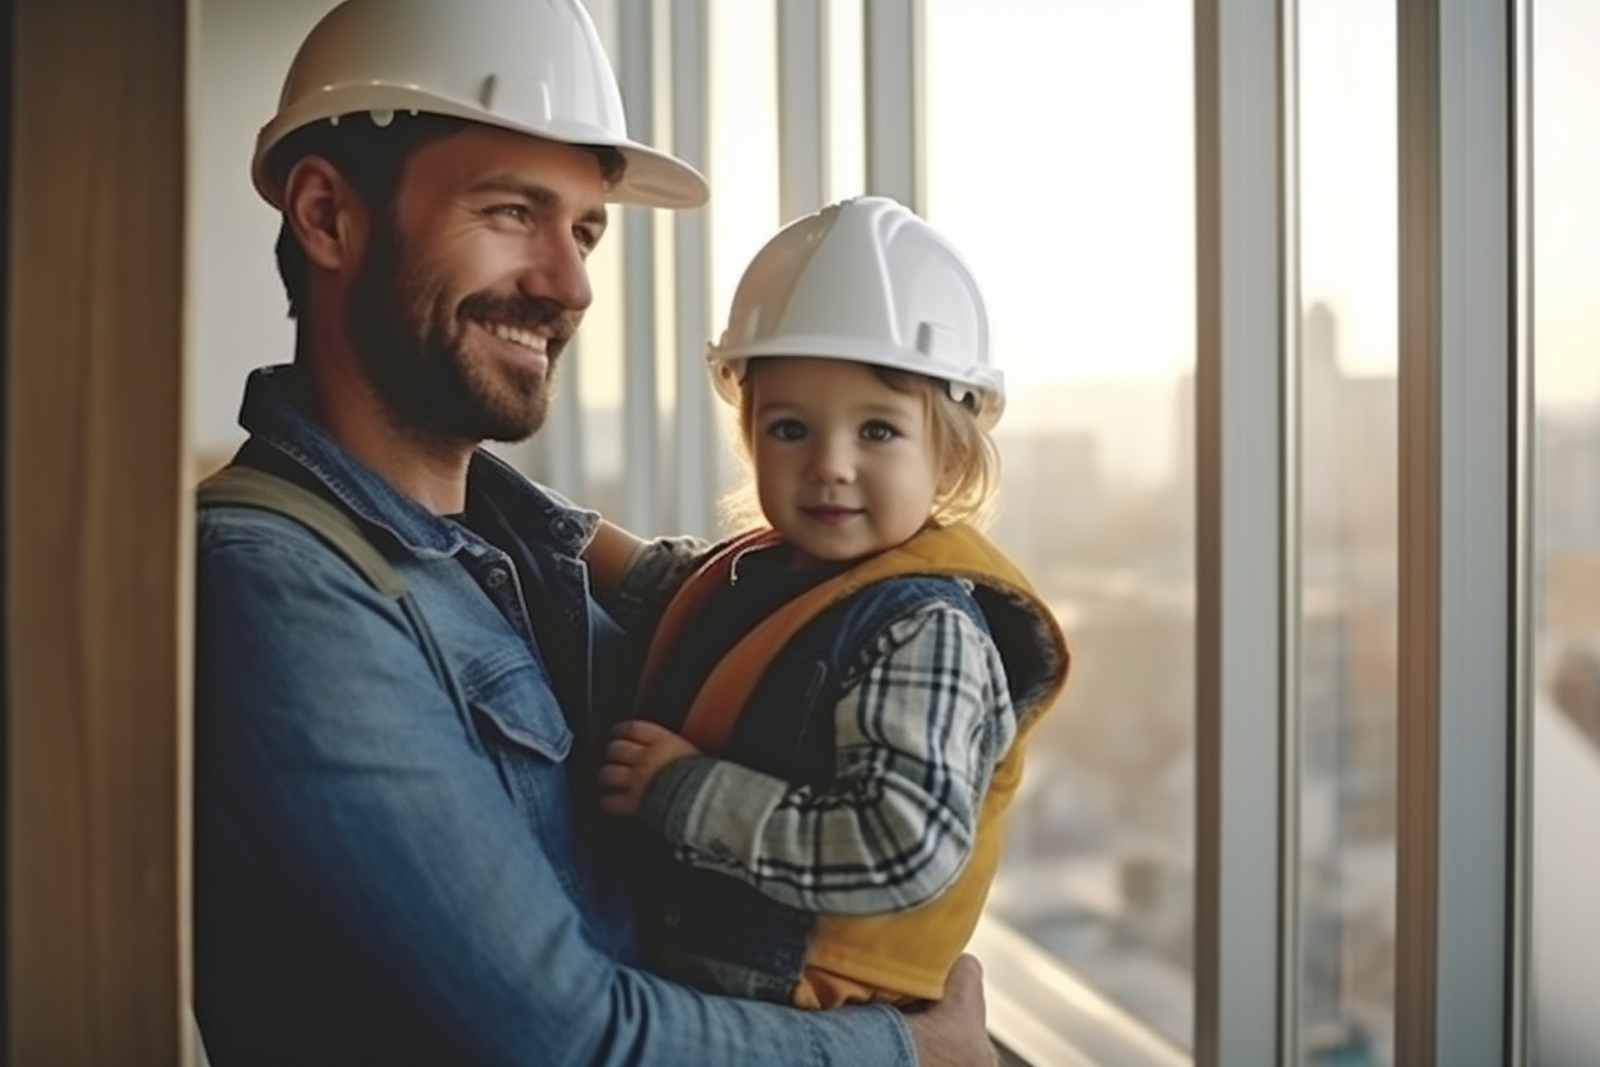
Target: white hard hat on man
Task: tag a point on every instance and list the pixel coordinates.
(540, 70)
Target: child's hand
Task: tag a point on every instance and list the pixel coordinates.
(637, 750)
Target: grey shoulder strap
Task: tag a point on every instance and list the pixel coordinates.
(251, 487)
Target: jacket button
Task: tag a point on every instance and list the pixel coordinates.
(495, 578)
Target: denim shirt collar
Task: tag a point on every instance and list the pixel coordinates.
(273, 413)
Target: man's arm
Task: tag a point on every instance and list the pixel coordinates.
(331, 761)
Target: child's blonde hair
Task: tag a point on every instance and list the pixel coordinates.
(961, 449)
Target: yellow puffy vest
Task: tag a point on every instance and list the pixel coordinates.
(897, 956)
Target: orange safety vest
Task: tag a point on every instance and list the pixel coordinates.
(905, 955)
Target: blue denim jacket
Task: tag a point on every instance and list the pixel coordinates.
(388, 867)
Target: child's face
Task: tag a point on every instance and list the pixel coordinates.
(845, 466)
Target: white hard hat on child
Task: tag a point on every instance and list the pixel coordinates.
(529, 66)
(865, 280)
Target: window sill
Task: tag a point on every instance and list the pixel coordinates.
(1042, 1015)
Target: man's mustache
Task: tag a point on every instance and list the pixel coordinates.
(535, 314)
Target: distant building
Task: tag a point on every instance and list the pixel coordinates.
(1052, 496)
(1567, 478)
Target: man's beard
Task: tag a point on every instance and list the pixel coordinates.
(407, 337)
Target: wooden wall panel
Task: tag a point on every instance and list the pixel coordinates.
(96, 537)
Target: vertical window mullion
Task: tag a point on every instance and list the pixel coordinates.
(803, 136)
(1243, 974)
(1458, 739)
(640, 431)
(894, 51)
(693, 425)
(1520, 870)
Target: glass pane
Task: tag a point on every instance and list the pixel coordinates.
(846, 91)
(1565, 617)
(1064, 171)
(238, 311)
(1349, 535)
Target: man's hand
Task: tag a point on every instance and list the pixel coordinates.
(637, 750)
(952, 1033)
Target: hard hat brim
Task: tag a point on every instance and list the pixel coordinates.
(726, 367)
(652, 178)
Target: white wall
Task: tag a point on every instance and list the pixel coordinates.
(238, 315)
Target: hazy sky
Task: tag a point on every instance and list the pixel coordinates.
(1060, 153)
(1566, 92)
(1061, 160)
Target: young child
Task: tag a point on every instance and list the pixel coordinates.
(834, 704)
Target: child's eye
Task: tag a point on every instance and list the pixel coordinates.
(786, 429)
(879, 432)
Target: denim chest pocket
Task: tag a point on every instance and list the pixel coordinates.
(515, 714)
(522, 709)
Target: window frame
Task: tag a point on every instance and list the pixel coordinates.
(1461, 994)
(1463, 368)
(1461, 957)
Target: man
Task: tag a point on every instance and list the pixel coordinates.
(391, 790)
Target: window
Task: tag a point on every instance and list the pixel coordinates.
(1060, 161)
(1268, 493)
(1348, 534)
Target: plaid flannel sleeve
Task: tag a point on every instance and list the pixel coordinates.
(917, 737)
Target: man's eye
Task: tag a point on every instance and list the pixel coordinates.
(786, 429)
(879, 432)
(512, 212)
(586, 238)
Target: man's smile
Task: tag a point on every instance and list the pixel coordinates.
(529, 346)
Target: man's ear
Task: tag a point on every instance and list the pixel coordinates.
(326, 214)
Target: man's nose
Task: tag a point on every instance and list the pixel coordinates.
(559, 272)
